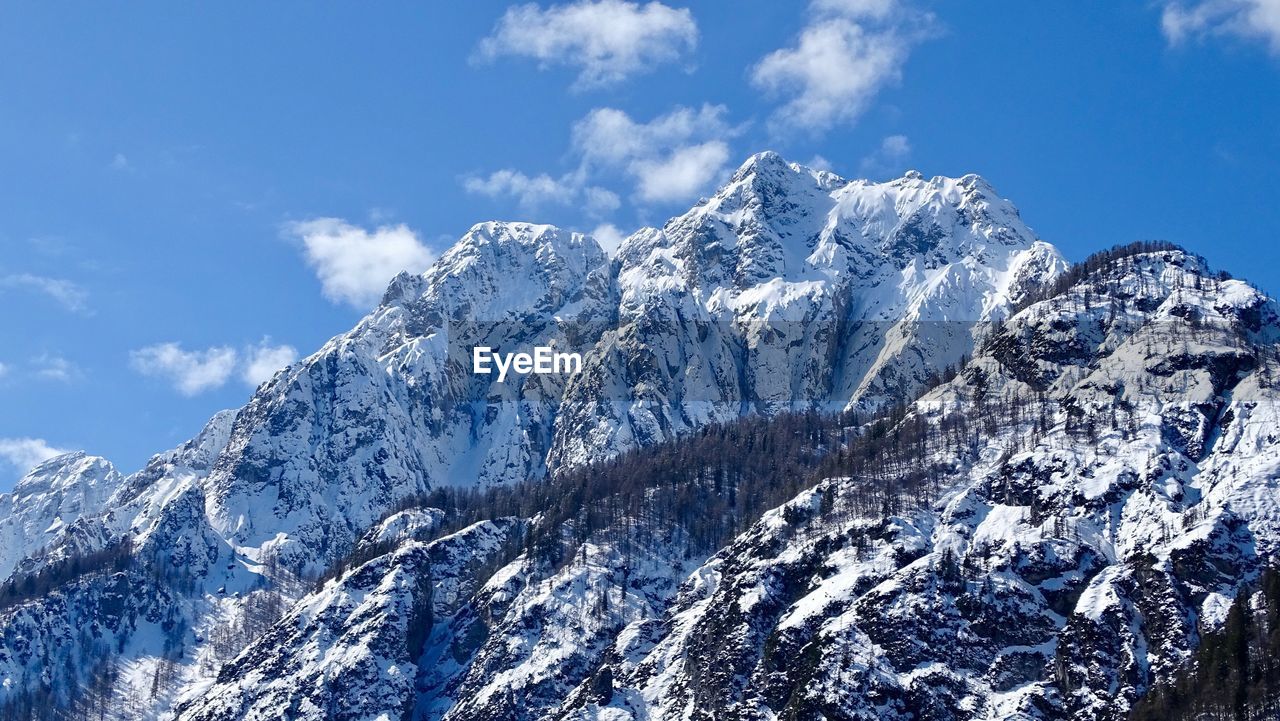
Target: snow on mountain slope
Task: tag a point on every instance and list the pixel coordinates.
(48, 500)
(355, 643)
(82, 504)
(541, 638)
(390, 409)
(1120, 484)
(792, 288)
(1042, 541)
(788, 288)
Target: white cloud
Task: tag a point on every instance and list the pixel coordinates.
(832, 74)
(530, 192)
(669, 158)
(609, 237)
(607, 40)
(600, 202)
(120, 162)
(354, 265)
(263, 360)
(887, 158)
(190, 372)
(1248, 19)
(55, 368)
(26, 453)
(4, 370)
(610, 136)
(64, 292)
(849, 51)
(681, 174)
(856, 9)
(818, 162)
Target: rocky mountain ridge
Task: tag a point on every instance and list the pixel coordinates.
(1085, 480)
(841, 293)
(1041, 537)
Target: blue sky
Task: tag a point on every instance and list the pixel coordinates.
(193, 195)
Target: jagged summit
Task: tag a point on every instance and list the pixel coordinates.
(858, 275)
(1041, 537)
(786, 220)
(511, 254)
(780, 219)
(49, 500)
(790, 289)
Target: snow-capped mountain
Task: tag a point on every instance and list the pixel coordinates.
(1038, 536)
(789, 288)
(1123, 487)
(50, 499)
(1046, 536)
(793, 288)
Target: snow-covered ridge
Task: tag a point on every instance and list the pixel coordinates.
(787, 288)
(1119, 489)
(1099, 480)
(48, 500)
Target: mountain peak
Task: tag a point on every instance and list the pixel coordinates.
(770, 164)
(763, 161)
(538, 238)
(492, 229)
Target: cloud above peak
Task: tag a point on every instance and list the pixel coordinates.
(607, 40)
(887, 158)
(533, 192)
(669, 158)
(190, 372)
(848, 52)
(263, 360)
(355, 265)
(26, 453)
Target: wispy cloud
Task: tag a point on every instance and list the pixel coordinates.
(120, 162)
(64, 292)
(606, 40)
(669, 158)
(534, 192)
(888, 158)
(190, 372)
(25, 453)
(528, 191)
(353, 264)
(846, 54)
(1247, 19)
(609, 237)
(263, 360)
(55, 368)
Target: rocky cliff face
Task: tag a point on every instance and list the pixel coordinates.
(1118, 487)
(1044, 537)
(792, 288)
(50, 500)
(1041, 534)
